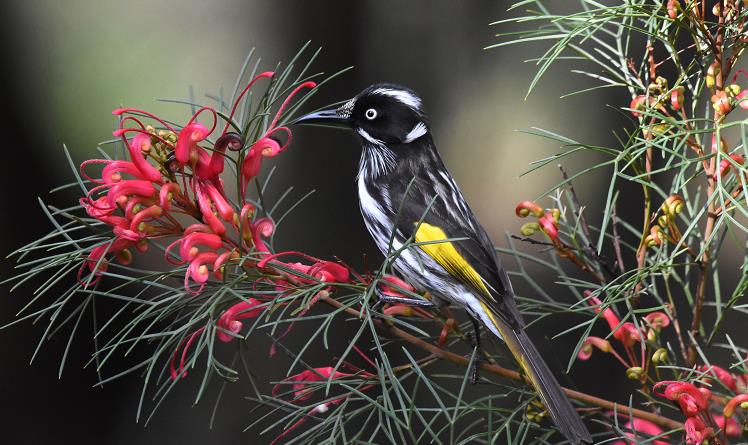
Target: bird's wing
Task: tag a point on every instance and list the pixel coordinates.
(434, 210)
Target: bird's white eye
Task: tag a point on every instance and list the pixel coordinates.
(371, 114)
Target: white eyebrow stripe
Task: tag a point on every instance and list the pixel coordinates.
(405, 97)
(417, 131)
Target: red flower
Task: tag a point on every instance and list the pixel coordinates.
(187, 148)
(322, 271)
(690, 399)
(585, 352)
(301, 380)
(526, 208)
(725, 165)
(549, 225)
(722, 375)
(626, 333)
(730, 426)
(230, 319)
(730, 407)
(673, 8)
(641, 426)
(697, 431)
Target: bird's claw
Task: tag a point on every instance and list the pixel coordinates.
(475, 361)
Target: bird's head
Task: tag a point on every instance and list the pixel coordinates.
(382, 114)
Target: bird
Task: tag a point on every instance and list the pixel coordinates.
(413, 208)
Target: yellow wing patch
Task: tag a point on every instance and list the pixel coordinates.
(447, 256)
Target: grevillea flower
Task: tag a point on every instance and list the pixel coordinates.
(657, 320)
(730, 426)
(96, 261)
(697, 431)
(691, 400)
(639, 104)
(711, 74)
(626, 333)
(549, 226)
(300, 382)
(722, 375)
(656, 237)
(183, 346)
(585, 352)
(725, 165)
(267, 146)
(730, 407)
(640, 426)
(526, 208)
(673, 8)
(721, 103)
(187, 146)
(392, 285)
(230, 320)
(676, 98)
(321, 271)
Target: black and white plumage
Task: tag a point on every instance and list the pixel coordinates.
(406, 193)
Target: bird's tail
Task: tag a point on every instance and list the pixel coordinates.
(564, 415)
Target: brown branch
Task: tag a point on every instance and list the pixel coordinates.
(444, 354)
(617, 241)
(711, 206)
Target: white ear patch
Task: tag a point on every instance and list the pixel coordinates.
(403, 96)
(417, 131)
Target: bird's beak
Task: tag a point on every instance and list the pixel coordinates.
(335, 117)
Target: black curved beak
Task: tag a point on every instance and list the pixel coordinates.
(334, 117)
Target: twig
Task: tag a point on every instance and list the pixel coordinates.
(617, 241)
(508, 373)
(588, 248)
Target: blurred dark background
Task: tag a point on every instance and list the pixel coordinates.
(68, 64)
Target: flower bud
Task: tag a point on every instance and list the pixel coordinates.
(635, 373)
(529, 229)
(673, 205)
(660, 356)
(526, 208)
(655, 237)
(676, 98)
(556, 213)
(673, 9)
(721, 103)
(651, 335)
(124, 256)
(714, 70)
(733, 90)
(638, 104)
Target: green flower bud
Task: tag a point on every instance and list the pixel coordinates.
(635, 373)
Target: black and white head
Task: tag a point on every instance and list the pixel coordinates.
(382, 115)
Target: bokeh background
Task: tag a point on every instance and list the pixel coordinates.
(68, 64)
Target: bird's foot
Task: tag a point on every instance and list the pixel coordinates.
(383, 298)
(476, 358)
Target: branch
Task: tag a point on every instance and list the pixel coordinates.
(508, 373)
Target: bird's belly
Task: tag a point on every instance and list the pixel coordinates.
(422, 272)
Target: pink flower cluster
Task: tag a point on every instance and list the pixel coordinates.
(172, 174)
(694, 402)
